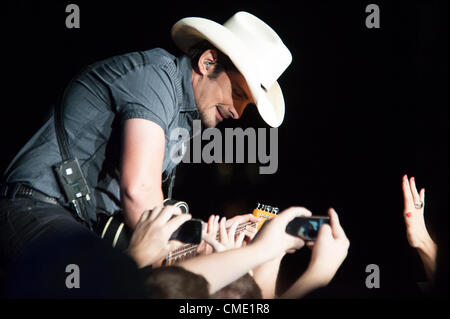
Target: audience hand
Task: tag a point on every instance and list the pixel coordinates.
(416, 231)
(273, 237)
(250, 232)
(271, 242)
(150, 240)
(329, 250)
(413, 213)
(227, 239)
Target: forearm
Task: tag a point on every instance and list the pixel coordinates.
(427, 252)
(220, 269)
(136, 201)
(141, 166)
(266, 276)
(307, 283)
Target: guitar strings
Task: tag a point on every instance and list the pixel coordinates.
(188, 249)
(191, 248)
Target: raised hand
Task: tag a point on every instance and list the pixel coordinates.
(328, 252)
(413, 213)
(330, 249)
(416, 230)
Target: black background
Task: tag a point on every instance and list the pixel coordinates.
(363, 107)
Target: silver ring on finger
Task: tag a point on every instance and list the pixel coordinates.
(418, 205)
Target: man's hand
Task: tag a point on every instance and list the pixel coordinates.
(150, 240)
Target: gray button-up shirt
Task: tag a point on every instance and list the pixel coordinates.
(152, 85)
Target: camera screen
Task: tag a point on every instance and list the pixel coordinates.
(310, 228)
(306, 227)
(190, 232)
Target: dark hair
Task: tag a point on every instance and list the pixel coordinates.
(223, 61)
(242, 288)
(174, 283)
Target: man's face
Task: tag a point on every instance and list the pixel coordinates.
(223, 97)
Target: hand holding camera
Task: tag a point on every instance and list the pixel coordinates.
(306, 228)
(329, 249)
(152, 238)
(273, 237)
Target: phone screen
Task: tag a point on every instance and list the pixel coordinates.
(306, 227)
(189, 232)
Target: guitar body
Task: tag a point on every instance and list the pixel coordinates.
(114, 231)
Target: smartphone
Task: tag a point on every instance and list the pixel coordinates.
(306, 227)
(190, 232)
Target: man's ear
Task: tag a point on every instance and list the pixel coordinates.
(206, 62)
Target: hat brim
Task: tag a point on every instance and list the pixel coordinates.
(269, 101)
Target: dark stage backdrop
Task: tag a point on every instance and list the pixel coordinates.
(363, 107)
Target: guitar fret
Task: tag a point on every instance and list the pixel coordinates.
(265, 212)
(191, 248)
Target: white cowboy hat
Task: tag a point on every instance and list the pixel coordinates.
(255, 50)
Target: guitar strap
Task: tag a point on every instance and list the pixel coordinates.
(171, 182)
(69, 173)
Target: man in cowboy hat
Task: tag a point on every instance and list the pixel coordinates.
(118, 115)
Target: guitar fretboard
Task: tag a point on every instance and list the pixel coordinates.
(190, 250)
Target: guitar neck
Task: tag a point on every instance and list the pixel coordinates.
(264, 212)
(190, 250)
(113, 230)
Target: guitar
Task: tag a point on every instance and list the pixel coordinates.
(264, 212)
(113, 230)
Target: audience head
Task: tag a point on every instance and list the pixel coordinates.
(174, 283)
(243, 288)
